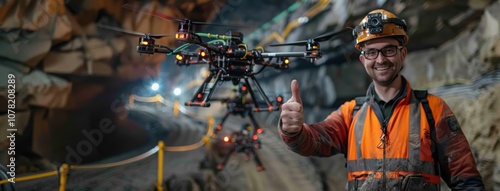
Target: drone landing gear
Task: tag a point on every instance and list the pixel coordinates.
(248, 155)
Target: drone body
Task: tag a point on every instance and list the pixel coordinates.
(228, 58)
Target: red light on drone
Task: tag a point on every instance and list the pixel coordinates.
(226, 139)
(219, 127)
(314, 53)
(244, 88)
(279, 99)
(199, 96)
(259, 130)
(255, 137)
(181, 35)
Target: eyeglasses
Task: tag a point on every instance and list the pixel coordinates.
(388, 51)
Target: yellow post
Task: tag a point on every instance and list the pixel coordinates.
(206, 140)
(210, 125)
(176, 108)
(63, 170)
(159, 183)
(131, 100)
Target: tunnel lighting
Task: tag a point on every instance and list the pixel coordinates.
(155, 86)
(303, 20)
(177, 91)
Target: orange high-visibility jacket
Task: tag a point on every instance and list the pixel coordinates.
(405, 161)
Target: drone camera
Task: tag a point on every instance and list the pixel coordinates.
(374, 23)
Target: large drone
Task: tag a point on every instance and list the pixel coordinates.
(228, 58)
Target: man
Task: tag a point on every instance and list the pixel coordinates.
(392, 141)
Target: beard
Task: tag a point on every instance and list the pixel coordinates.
(384, 74)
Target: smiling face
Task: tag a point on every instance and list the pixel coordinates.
(383, 69)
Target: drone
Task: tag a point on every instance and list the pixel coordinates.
(243, 141)
(241, 105)
(228, 57)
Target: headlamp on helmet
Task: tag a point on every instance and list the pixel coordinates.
(378, 24)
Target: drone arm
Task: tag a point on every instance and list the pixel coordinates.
(163, 46)
(270, 107)
(223, 100)
(202, 88)
(256, 126)
(256, 105)
(283, 54)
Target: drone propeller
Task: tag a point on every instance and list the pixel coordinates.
(134, 32)
(321, 38)
(166, 17)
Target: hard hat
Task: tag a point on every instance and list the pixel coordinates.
(380, 23)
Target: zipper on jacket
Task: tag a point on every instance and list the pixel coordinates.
(384, 131)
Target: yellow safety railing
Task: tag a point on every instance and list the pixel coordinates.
(177, 107)
(160, 148)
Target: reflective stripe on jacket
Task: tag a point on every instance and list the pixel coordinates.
(406, 158)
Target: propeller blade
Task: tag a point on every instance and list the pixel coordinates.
(166, 17)
(219, 25)
(121, 30)
(160, 35)
(298, 43)
(320, 38)
(327, 36)
(133, 32)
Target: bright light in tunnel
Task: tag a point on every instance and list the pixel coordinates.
(155, 86)
(177, 91)
(303, 20)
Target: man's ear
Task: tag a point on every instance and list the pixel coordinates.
(403, 53)
(362, 59)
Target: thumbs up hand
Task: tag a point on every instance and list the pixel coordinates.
(292, 116)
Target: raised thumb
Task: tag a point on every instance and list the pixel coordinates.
(295, 92)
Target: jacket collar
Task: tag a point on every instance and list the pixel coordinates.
(405, 87)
